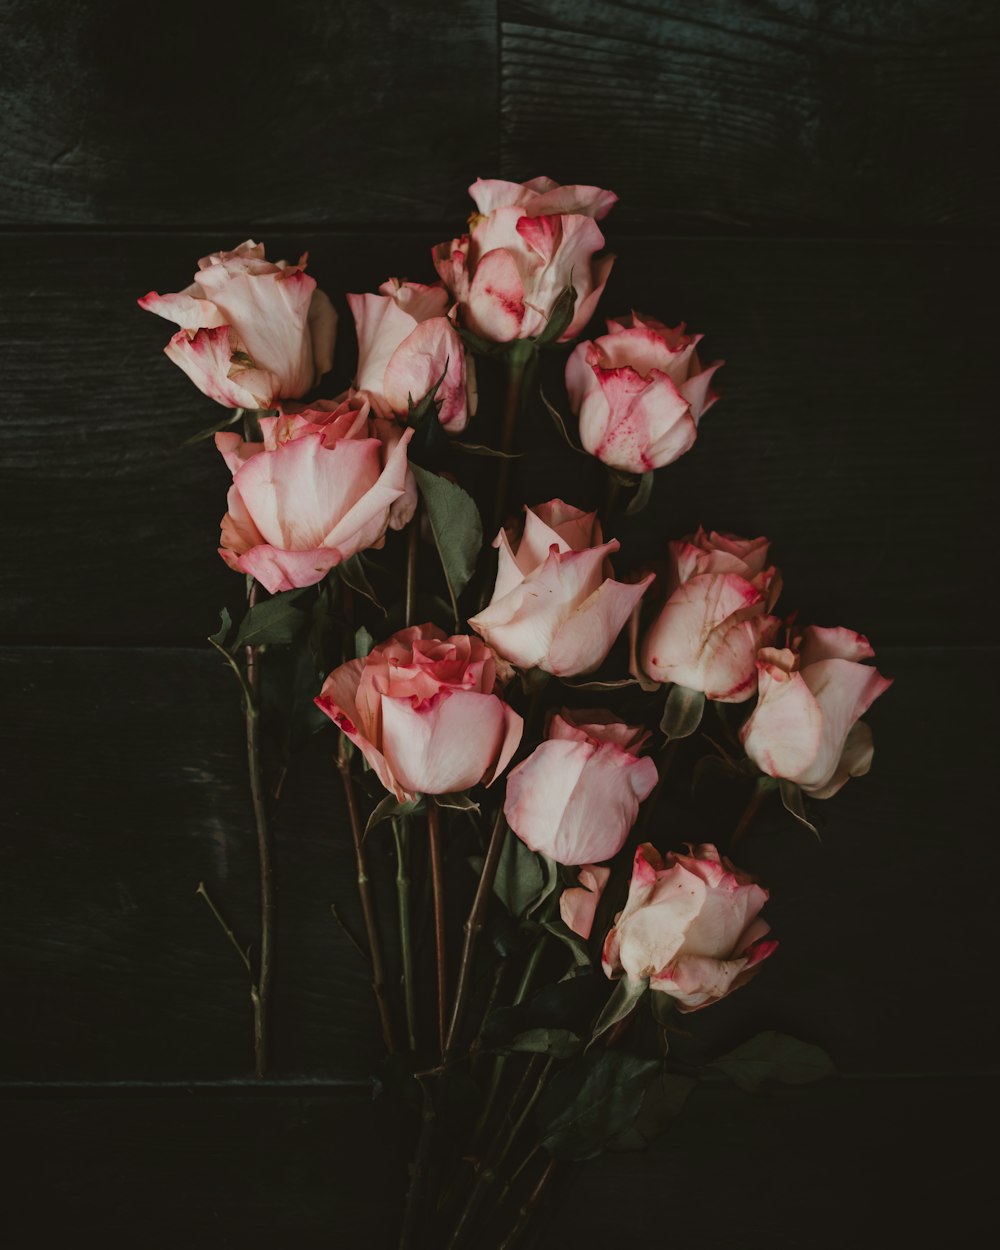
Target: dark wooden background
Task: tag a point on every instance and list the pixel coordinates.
(815, 187)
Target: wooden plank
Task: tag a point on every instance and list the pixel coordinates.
(853, 429)
(858, 1163)
(747, 117)
(124, 785)
(161, 115)
(128, 789)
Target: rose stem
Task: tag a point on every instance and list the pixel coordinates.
(760, 790)
(528, 1207)
(501, 1148)
(411, 1237)
(401, 833)
(412, 552)
(437, 882)
(519, 356)
(500, 1062)
(473, 928)
(367, 897)
(260, 992)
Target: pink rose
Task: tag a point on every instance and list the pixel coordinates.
(526, 244)
(708, 632)
(577, 795)
(554, 606)
(639, 392)
(252, 332)
(578, 904)
(317, 490)
(805, 726)
(690, 925)
(406, 342)
(422, 710)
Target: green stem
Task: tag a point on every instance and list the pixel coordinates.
(440, 948)
(473, 928)
(528, 1207)
(501, 1061)
(520, 356)
(367, 897)
(400, 830)
(497, 1155)
(260, 991)
(610, 500)
(412, 553)
(760, 791)
(412, 1235)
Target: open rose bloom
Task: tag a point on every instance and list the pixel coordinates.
(577, 795)
(526, 244)
(252, 331)
(406, 345)
(423, 710)
(691, 926)
(708, 632)
(555, 606)
(321, 487)
(806, 725)
(639, 392)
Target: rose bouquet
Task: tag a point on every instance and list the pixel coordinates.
(507, 726)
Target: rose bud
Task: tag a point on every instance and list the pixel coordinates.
(578, 904)
(639, 392)
(716, 617)
(577, 795)
(690, 925)
(313, 493)
(553, 608)
(805, 726)
(252, 332)
(526, 244)
(406, 346)
(422, 710)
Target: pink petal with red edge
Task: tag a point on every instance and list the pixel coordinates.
(431, 354)
(496, 298)
(583, 641)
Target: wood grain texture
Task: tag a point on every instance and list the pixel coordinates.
(159, 114)
(777, 114)
(125, 785)
(852, 428)
(869, 1164)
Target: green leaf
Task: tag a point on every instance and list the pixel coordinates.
(391, 806)
(456, 526)
(481, 346)
(624, 997)
(480, 449)
(276, 620)
(524, 879)
(363, 643)
(682, 712)
(662, 1102)
(589, 1103)
(457, 802)
(211, 430)
(560, 424)
(642, 496)
(352, 573)
(619, 684)
(559, 318)
(561, 1043)
(774, 1056)
(218, 639)
(578, 947)
(794, 803)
